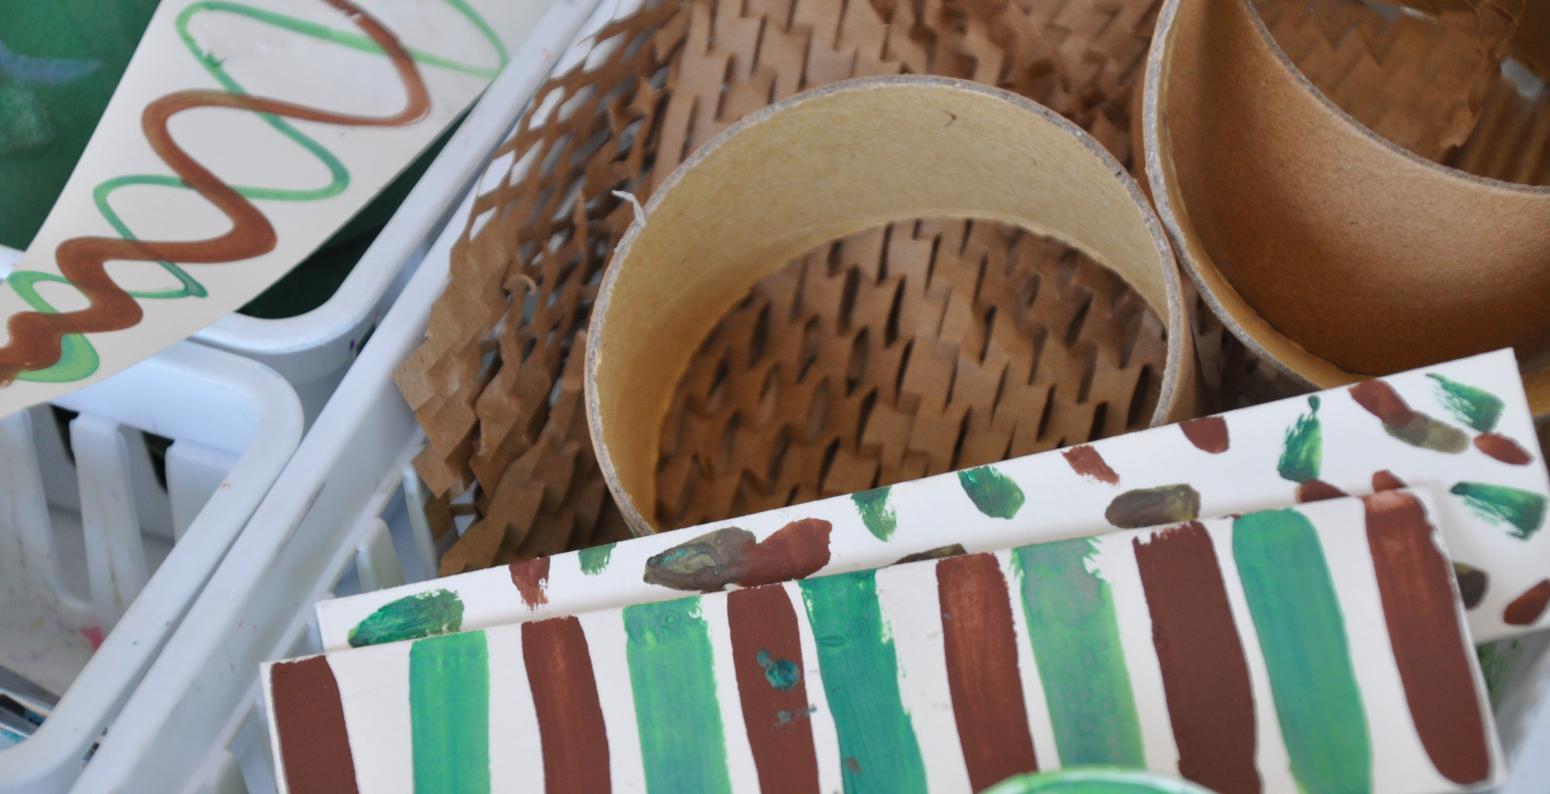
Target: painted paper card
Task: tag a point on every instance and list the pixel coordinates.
(1464, 427)
(1311, 649)
(243, 134)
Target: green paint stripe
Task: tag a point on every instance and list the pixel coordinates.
(449, 712)
(673, 680)
(1302, 634)
(1075, 636)
(595, 558)
(860, 670)
(876, 513)
(992, 492)
(410, 618)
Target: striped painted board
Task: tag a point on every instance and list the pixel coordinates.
(1464, 427)
(1319, 648)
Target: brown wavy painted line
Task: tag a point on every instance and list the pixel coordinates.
(35, 337)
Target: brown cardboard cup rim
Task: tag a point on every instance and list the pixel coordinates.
(1349, 255)
(829, 162)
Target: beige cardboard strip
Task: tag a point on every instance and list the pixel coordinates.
(1326, 248)
(831, 162)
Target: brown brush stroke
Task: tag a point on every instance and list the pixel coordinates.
(1473, 583)
(1317, 491)
(1418, 605)
(1526, 609)
(35, 337)
(763, 622)
(1151, 507)
(571, 730)
(1205, 676)
(726, 556)
(1382, 401)
(1208, 434)
(1405, 423)
(981, 649)
(530, 576)
(1085, 461)
(1384, 480)
(1503, 449)
(309, 717)
(937, 553)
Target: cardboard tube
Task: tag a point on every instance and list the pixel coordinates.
(1328, 250)
(827, 163)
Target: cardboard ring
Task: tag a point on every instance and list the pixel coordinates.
(1329, 251)
(827, 163)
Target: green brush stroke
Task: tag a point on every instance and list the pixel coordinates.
(449, 713)
(1302, 451)
(875, 512)
(878, 748)
(1524, 510)
(595, 559)
(1075, 636)
(1292, 600)
(1498, 660)
(1472, 405)
(671, 673)
(783, 674)
(78, 358)
(410, 618)
(991, 491)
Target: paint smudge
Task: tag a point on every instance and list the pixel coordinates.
(991, 491)
(1292, 601)
(1150, 507)
(938, 553)
(767, 662)
(410, 618)
(571, 731)
(1526, 609)
(1425, 633)
(1208, 434)
(530, 577)
(1317, 491)
(1075, 636)
(449, 713)
(980, 646)
(1384, 480)
(876, 513)
(1472, 405)
(1497, 662)
(309, 717)
(1086, 462)
(730, 555)
(1473, 583)
(782, 674)
(1205, 675)
(1503, 449)
(1500, 504)
(1406, 424)
(93, 635)
(1302, 450)
(594, 560)
(861, 680)
(682, 744)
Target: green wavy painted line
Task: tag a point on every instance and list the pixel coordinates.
(78, 359)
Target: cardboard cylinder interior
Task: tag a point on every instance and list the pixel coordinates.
(827, 163)
(1325, 248)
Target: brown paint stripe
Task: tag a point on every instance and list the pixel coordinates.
(767, 658)
(1384, 480)
(1526, 609)
(1415, 584)
(530, 576)
(1317, 491)
(570, 718)
(1205, 676)
(981, 649)
(1503, 449)
(309, 717)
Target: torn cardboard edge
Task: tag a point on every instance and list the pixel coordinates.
(1328, 250)
(836, 160)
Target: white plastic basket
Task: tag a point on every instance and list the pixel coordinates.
(347, 516)
(196, 721)
(95, 544)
